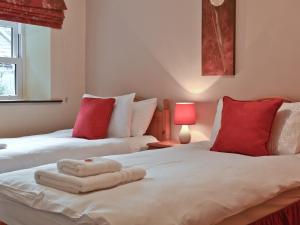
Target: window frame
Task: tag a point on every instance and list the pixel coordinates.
(17, 59)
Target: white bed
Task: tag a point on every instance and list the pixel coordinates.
(32, 151)
(186, 185)
(19, 214)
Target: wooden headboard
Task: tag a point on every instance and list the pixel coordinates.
(160, 126)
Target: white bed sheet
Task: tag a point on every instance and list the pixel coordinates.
(17, 214)
(184, 185)
(32, 151)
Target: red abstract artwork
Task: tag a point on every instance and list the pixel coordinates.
(218, 37)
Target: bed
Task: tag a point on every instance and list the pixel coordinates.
(32, 151)
(22, 213)
(183, 186)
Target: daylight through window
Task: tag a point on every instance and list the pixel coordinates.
(10, 60)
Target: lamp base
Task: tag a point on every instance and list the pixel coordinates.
(184, 135)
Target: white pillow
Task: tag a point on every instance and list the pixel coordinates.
(285, 135)
(120, 123)
(217, 122)
(141, 117)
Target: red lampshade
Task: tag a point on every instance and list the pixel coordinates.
(185, 114)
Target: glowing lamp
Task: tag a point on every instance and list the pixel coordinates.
(185, 115)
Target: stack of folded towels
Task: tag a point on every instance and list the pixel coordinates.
(82, 176)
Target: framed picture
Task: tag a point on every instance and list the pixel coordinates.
(218, 37)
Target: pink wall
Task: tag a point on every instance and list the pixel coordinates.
(67, 81)
(153, 48)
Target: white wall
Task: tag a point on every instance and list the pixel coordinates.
(67, 81)
(154, 48)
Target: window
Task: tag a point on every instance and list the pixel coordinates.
(11, 65)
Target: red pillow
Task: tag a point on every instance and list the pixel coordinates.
(93, 118)
(246, 126)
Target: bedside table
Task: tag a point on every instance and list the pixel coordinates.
(161, 144)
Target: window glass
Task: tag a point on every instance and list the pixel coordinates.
(11, 64)
(7, 79)
(6, 42)
(25, 61)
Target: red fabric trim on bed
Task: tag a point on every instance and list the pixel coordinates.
(1, 223)
(287, 216)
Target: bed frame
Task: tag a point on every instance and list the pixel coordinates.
(160, 126)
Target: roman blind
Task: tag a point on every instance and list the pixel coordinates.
(49, 13)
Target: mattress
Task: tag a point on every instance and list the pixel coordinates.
(17, 214)
(32, 151)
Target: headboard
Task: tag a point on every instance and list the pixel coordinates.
(160, 126)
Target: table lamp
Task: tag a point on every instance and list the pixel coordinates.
(185, 115)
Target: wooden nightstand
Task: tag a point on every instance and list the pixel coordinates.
(161, 144)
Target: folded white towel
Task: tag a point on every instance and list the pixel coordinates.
(77, 185)
(88, 167)
(3, 146)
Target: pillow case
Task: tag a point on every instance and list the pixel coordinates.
(246, 126)
(141, 117)
(217, 121)
(93, 118)
(120, 123)
(285, 135)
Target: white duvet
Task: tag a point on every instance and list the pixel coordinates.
(186, 185)
(32, 151)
